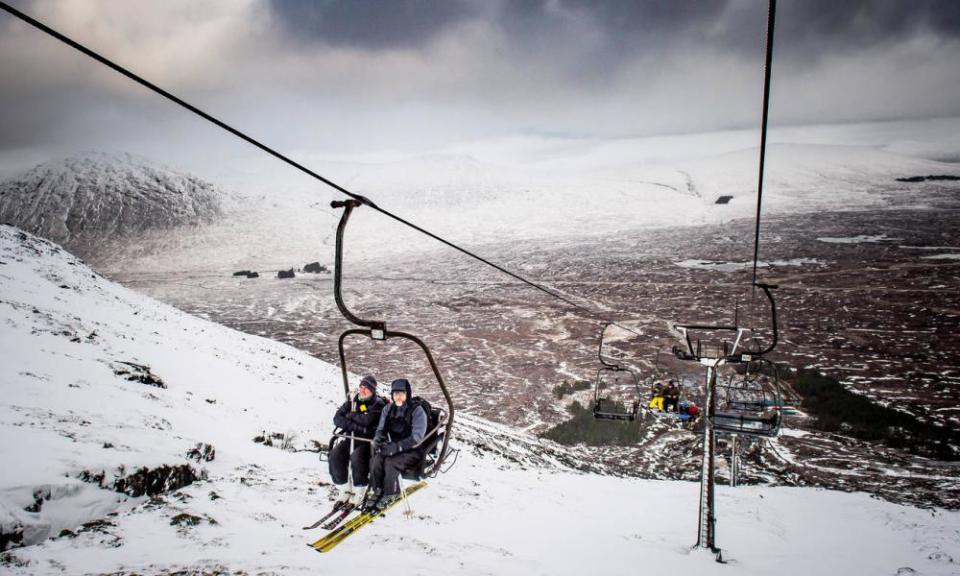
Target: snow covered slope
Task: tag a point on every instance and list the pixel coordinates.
(79, 357)
(89, 433)
(83, 199)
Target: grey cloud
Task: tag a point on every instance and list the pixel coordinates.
(591, 40)
(658, 18)
(369, 24)
(847, 22)
(731, 24)
(808, 29)
(464, 69)
(868, 22)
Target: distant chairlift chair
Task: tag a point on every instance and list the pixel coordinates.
(749, 405)
(612, 384)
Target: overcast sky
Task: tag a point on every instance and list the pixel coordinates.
(365, 75)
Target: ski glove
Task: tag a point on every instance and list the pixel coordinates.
(351, 428)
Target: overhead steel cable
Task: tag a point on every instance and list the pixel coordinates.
(263, 147)
(767, 68)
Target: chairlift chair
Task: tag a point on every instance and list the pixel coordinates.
(434, 446)
(613, 383)
(607, 401)
(749, 405)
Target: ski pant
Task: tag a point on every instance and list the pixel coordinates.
(668, 402)
(340, 457)
(386, 469)
(657, 403)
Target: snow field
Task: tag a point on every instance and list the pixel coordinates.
(62, 403)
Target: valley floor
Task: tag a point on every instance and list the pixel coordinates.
(870, 297)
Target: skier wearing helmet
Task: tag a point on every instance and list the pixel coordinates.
(403, 425)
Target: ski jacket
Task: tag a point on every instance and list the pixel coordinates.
(405, 425)
(360, 417)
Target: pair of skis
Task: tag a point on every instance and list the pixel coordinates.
(339, 512)
(338, 535)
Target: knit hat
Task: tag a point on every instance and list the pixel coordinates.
(369, 382)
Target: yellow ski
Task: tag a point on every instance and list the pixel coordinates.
(340, 534)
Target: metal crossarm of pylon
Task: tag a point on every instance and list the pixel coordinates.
(722, 350)
(732, 352)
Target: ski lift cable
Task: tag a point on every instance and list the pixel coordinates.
(263, 147)
(767, 67)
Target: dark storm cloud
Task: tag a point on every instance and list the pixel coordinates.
(444, 70)
(807, 28)
(865, 24)
(658, 18)
(840, 23)
(817, 26)
(369, 24)
(378, 24)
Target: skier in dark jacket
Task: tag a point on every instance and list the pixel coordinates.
(671, 396)
(403, 425)
(359, 418)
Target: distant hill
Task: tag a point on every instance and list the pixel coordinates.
(80, 200)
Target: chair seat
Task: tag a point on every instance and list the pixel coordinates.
(757, 424)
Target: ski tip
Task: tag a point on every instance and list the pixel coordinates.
(321, 549)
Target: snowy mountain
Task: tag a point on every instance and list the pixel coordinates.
(538, 189)
(128, 448)
(523, 189)
(85, 199)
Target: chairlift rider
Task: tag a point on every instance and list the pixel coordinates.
(358, 418)
(671, 396)
(656, 397)
(402, 427)
(687, 411)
